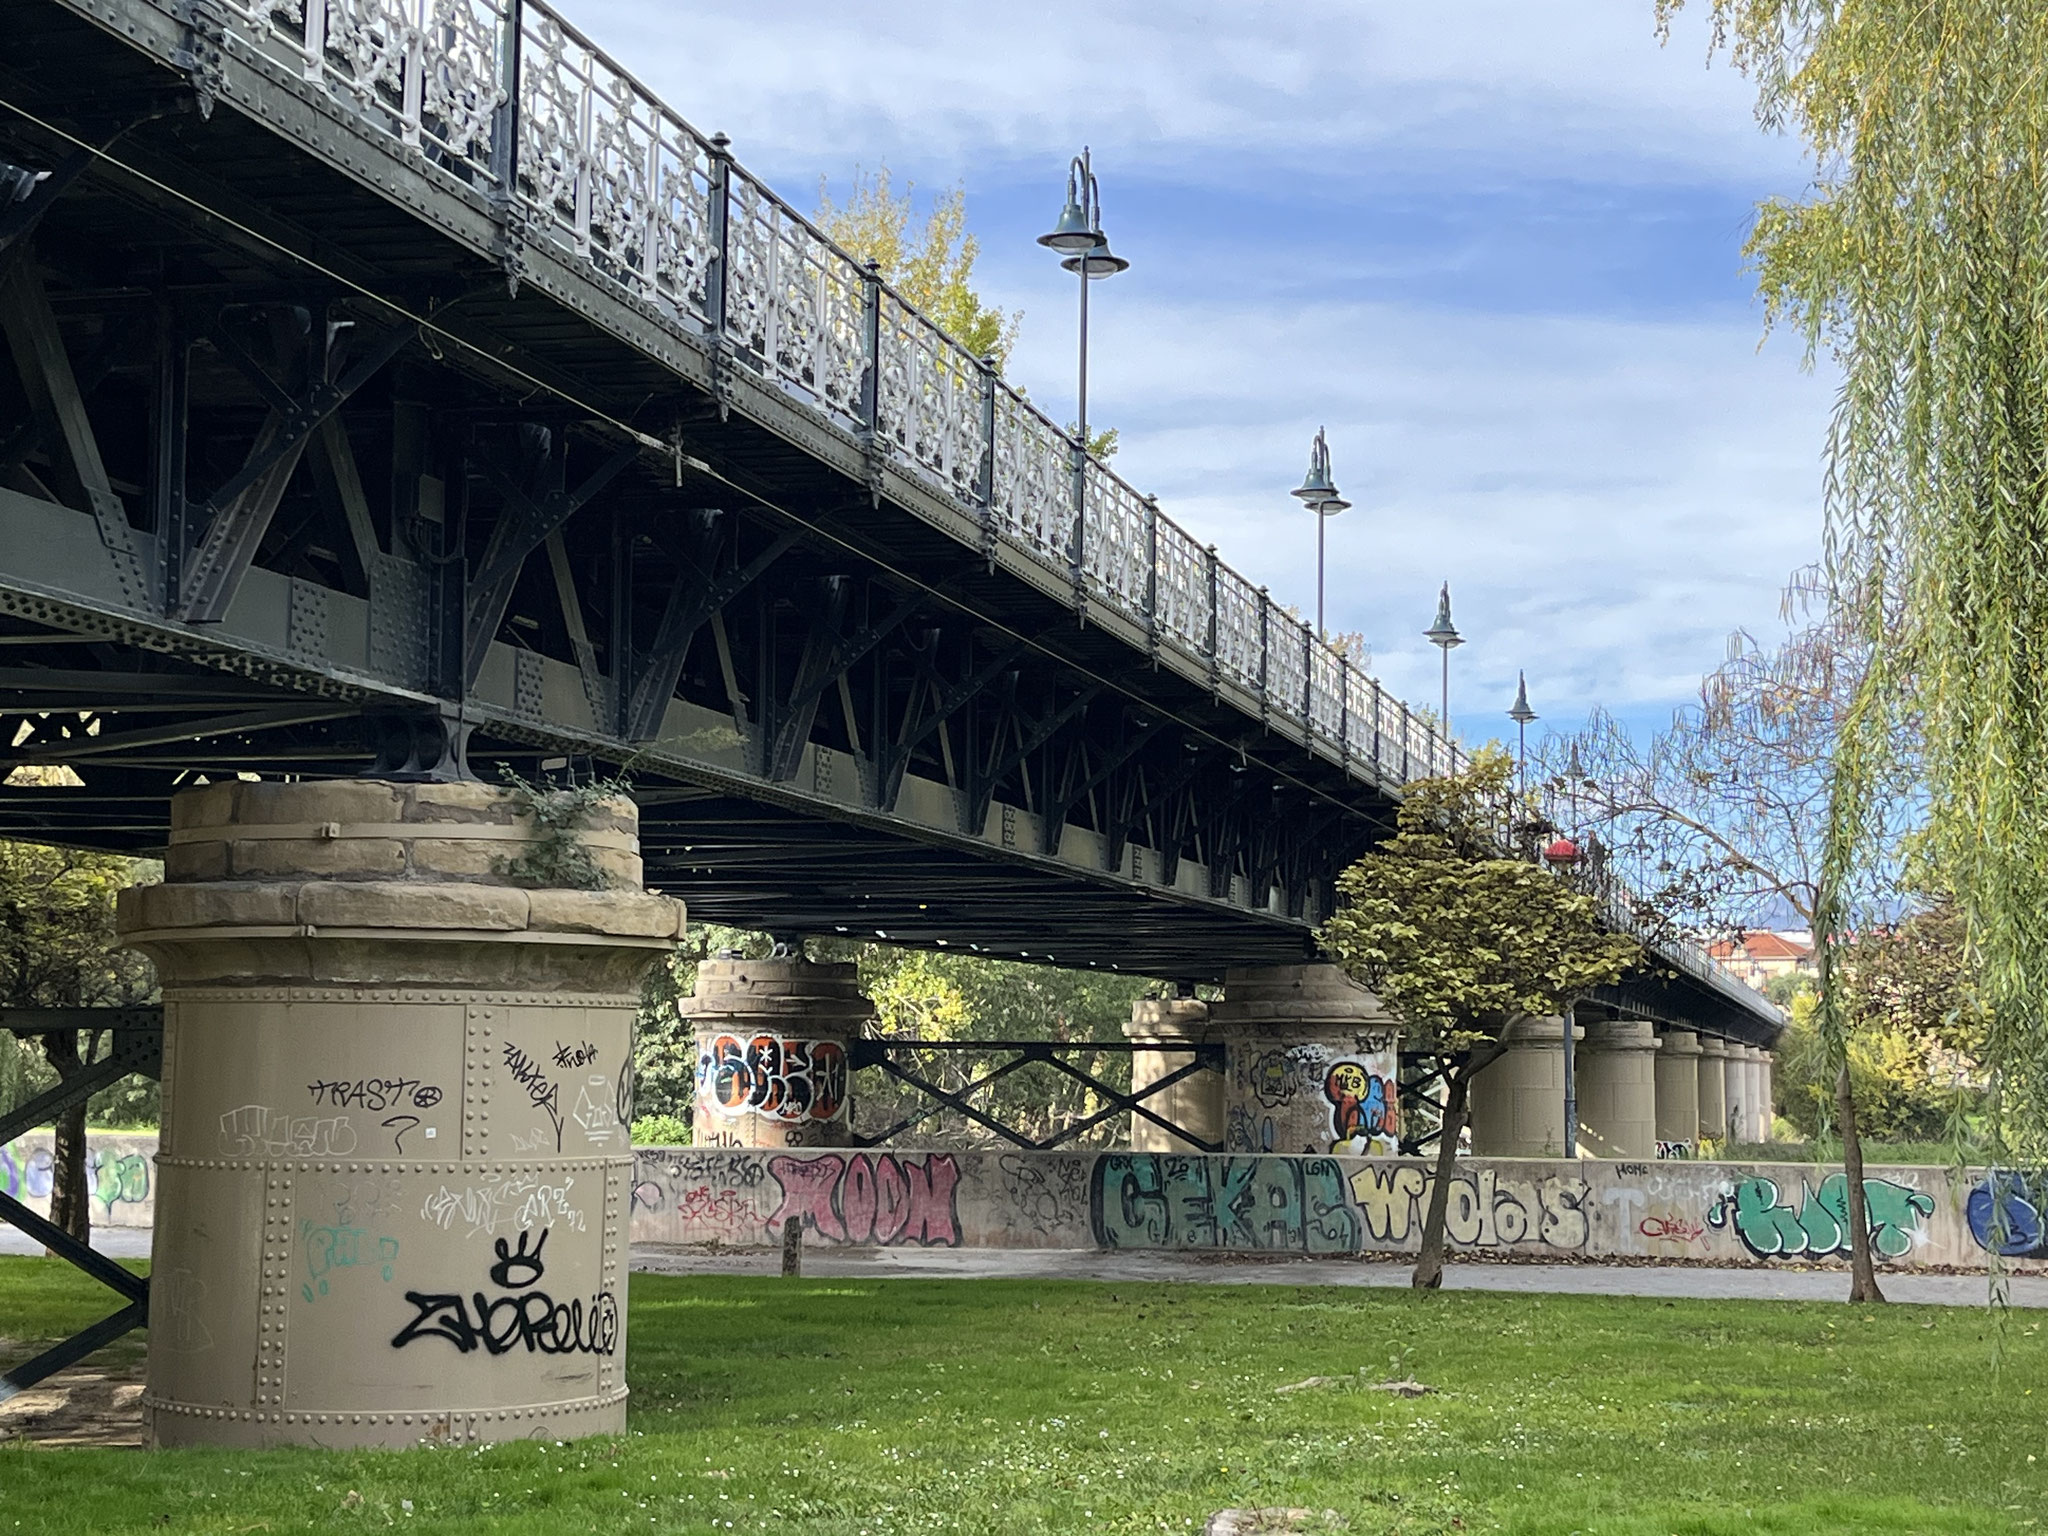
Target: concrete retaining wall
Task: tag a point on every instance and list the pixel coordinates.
(121, 1164)
(1684, 1212)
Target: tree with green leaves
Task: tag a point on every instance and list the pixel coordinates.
(931, 266)
(1918, 262)
(1460, 939)
(58, 950)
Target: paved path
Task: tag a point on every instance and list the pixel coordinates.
(1575, 1279)
(1759, 1284)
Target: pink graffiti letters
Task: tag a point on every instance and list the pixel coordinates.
(885, 1198)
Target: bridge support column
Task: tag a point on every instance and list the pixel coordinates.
(1312, 1061)
(1756, 1115)
(1678, 1092)
(1735, 1075)
(397, 1107)
(1195, 1103)
(1518, 1100)
(1767, 1096)
(1714, 1088)
(1618, 1089)
(772, 1039)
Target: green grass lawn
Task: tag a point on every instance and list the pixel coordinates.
(892, 1407)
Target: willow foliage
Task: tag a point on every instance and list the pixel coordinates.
(1919, 261)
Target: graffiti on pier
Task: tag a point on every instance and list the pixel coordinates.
(521, 1317)
(1166, 1200)
(884, 1198)
(502, 1201)
(789, 1080)
(255, 1130)
(330, 1248)
(542, 1091)
(1362, 1114)
(2004, 1211)
(1482, 1209)
(1675, 1151)
(1818, 1225)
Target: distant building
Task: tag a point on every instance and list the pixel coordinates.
(1759, 957)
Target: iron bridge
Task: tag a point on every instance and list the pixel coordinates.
(394, 380)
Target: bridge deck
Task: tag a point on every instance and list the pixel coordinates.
(400, 360)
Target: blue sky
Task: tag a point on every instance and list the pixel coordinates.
(1493, 247)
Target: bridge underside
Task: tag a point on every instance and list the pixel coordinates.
(308, 448)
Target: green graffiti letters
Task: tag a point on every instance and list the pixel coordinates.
(1819, 1226)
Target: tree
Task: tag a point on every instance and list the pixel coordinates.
(932, 268)
(58, 950)
(1719, 820)
(1460, 939)
(1919, 263)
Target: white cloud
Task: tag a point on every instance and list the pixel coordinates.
(946, 88)
(1608, 498)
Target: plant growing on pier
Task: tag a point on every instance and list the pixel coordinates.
(1462, 940)
(557, 857)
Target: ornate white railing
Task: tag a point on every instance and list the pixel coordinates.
(507, 96)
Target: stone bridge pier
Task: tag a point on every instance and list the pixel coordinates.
(1312, 1063)
(393, 1183)
(1196, 1102)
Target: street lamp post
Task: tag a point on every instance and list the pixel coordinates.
(1079, 236)
(1522, 714)
(1443, 634)
(1319, 493)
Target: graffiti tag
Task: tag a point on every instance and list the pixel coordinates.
(1166, 1200)
(791, 1080)
(1818, 1226)
(521, 1318)
(885, 1198)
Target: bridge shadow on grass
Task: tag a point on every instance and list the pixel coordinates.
(1048, 1408)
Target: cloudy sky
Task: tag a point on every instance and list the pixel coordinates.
(1494, 247)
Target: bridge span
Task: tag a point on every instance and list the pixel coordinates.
(408, 361)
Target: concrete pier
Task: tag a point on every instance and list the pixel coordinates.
(1678, 1092)
(772, 1038)
(1313, 1062)
(395, 1171)
(1518, 1101)
(1196, 1102)
(1618, 1089)
(1713, 1088)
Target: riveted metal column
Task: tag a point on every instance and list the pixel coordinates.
(394, 1179)
(772, 1035)
(1312, 1062)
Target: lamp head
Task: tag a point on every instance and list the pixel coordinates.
(1076, 231)
(1443, 632)
(1520, 712)
(1316, 486)
(1098, 261)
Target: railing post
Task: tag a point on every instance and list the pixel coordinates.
(1152, 576)
(1078, 544)
(1265, 647)
(985, 486)
(1344, 711)
(504, 194)
(1308, 680)
(717, 281)
(871, 346)
(1406, 767)
(1215, 654)
(1379, 705)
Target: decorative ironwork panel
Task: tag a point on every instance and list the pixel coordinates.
(424, 71)
(793, 301)
(930, 400)
(1286, 665)
(1326, 674)
(1361, 719)
(1237, 628)
(1033, 499)
(1113, 544)
(1183, 591)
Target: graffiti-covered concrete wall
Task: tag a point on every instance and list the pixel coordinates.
(1682, 1212)
(120, 1164)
